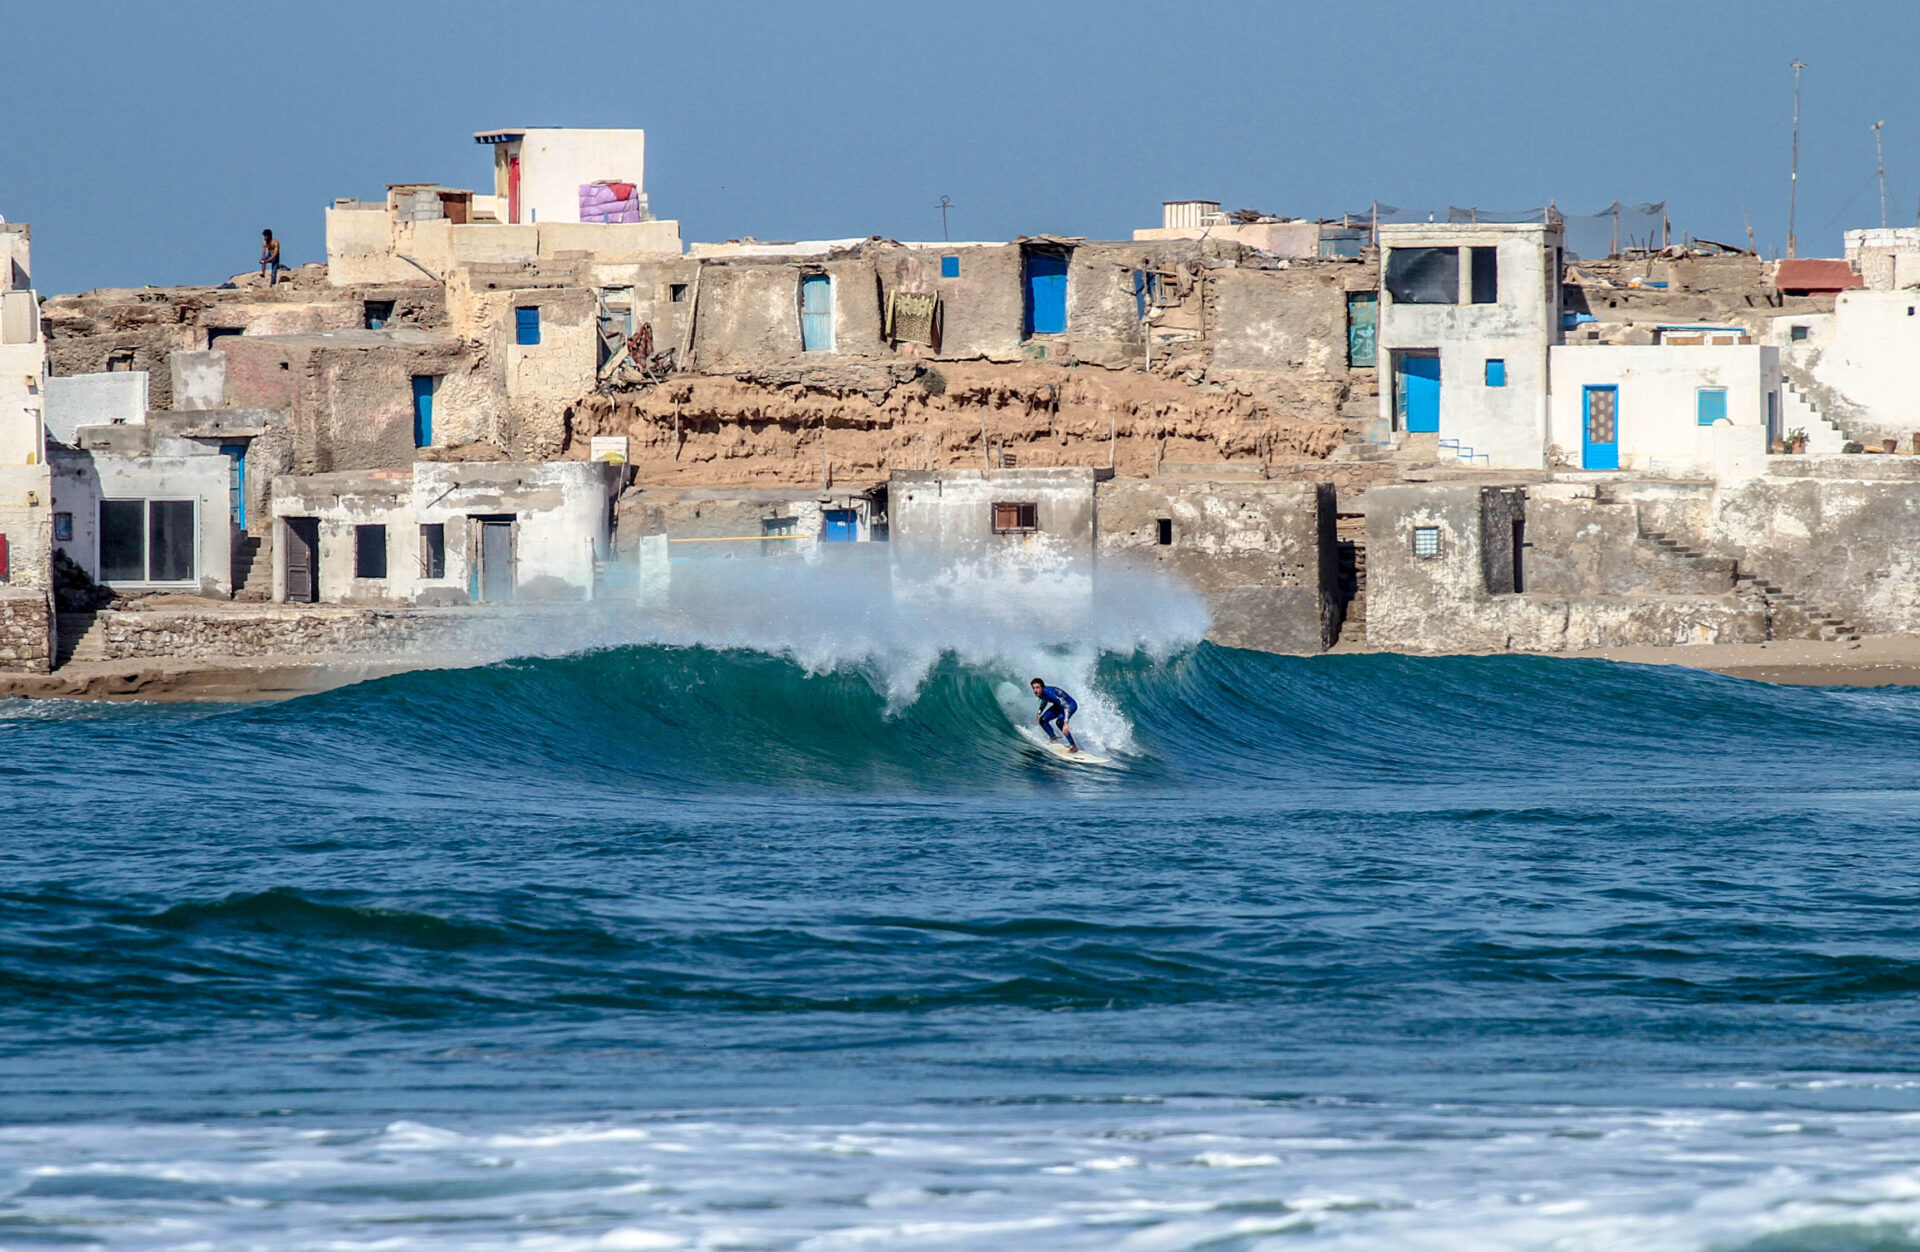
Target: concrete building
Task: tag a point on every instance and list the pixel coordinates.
(139, 509)
(1853, 374)
(1467, 313)
(1471, 567)
(1275, 236)
(1036, 518)
(1653, 409)
(76, 400)
(1262, 553)
(26, 494)
(539, 172)
(1887, 258)
(557, 193)
(443, 533)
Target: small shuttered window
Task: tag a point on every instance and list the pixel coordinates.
(1011, 518)
(526, 325)
(1710, 404)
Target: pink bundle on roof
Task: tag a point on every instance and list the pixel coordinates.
(609, 202)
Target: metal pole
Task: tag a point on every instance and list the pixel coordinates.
(1880, 160)
(945, 204)
(1793, 185)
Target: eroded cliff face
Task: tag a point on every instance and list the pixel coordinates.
(730, 431)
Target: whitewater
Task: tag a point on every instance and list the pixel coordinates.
(758, 921)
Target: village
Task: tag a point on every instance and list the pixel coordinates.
(1389, 431)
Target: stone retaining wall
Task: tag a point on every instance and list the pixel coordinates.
(280, 631)
(26, 633)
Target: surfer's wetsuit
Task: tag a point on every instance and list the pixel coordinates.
(1056, 706)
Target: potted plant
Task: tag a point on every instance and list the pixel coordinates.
(1797, 440)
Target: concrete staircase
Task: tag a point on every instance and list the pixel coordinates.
(1799, 411)
(1789, 616)
(252, 569)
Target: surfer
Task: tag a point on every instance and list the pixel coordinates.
(1056, 706)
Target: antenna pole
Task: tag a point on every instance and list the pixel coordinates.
(945, 204)
(1793, 188)
(1880, 160)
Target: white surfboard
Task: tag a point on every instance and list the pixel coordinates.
(1082, 757)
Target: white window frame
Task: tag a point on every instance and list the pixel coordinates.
(146, 531)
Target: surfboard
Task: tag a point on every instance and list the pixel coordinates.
(1082, 757)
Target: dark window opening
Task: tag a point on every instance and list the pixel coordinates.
(1013, 518)
(119, 362)
(62, 527)
(526, 326)
(1424, 275)
(1798, 334)
(1519, 546)
(1486, 275)
(123, 540)
(216, 333)
(170, 541)
(677, 293)
(1166, 531)
(378, 314)
(433, 550)
(369, 551)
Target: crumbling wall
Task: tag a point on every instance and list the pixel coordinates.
(352, 402)
(733, 432)
(114, 329)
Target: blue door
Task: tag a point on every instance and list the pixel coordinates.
(816, 313)
(840, 525)
(423, 410)
(236, 454)
(1046, 293)
(1420, 393)
(1600, 429)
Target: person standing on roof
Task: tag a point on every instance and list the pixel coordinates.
(269, 258)
(1056, 707)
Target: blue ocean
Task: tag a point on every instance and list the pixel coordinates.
(703, 945)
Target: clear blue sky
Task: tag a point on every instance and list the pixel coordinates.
(149, 142)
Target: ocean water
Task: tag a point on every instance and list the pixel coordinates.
(752, 945)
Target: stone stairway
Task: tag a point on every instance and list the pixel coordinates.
(252, 569)
(80, 637)
(1789, 616)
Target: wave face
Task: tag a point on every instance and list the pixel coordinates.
(759, 940)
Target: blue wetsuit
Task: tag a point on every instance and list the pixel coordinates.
(1056, 706)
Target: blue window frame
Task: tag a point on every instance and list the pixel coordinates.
(949, 267)
(526, 325)
(1710, 404)
(1496, 372)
